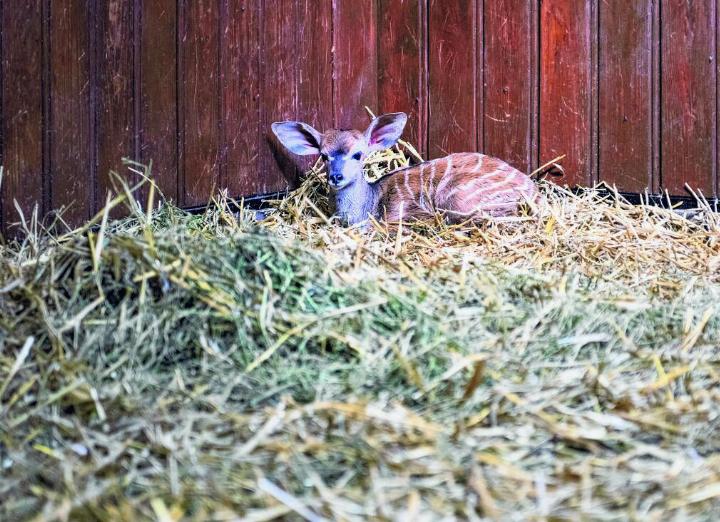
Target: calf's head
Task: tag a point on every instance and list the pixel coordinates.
(343, 151)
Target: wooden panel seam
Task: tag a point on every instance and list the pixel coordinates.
(594, 36)
(656, 65)
(94, 58)
(479, 59)
(136, 84)
(534, 83)
(2, 125)
(222, 138)
(46, 110)
(424, 79)
(180, 103)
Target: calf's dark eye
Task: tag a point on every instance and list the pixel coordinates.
(357, 156)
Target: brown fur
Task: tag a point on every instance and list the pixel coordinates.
(461, 186)
(340, 141)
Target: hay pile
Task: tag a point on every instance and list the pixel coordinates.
(558, 365)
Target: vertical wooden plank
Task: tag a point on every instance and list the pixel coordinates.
(278, 90)
(688, 87)
(509, 77)
(116, 94)
(566, 111)
(201, 100)
(158, 93)
(356, 75)
(626, 94)
(240, 85)
(452, 125)
(315, 66)
(71, 139)
(22, 108)
(401, 64)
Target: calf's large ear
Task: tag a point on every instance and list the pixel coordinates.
(299, 138)
(385, 130)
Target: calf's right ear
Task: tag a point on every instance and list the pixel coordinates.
(299, 138)
(384, 131)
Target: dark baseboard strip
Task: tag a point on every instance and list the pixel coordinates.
(659, 200)
(259, 202)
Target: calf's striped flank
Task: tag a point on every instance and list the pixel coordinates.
(471, 186)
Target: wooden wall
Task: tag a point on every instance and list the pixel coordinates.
(628, 89)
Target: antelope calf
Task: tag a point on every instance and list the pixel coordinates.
(461, 187)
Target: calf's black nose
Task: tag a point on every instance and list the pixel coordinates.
(335, 179)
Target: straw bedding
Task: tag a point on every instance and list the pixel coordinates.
(557, 365)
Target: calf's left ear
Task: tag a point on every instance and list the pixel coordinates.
(385, 130)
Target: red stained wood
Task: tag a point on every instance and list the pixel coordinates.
(688, 111)
(566, 112)
(194, 86)
(625, 95)
(22, 110)
(356, 66)
(115, 103)
(158, 102)
(452, 125)
(240, 85)
(71, 144)
(401, 64)
(315, 66)
(278, 90)
(509, 82)
(200, 100)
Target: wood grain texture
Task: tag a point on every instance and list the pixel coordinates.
(279, 73)
(355, 79)
(240, 86)
(22, 109)
(452, 125)
(71, 138)
(315, 66)
(566, 112)
(158, 93)
(200, 107)
(688, 111)
(116, 95)
(629, 90)
(401, 64)
(625, 97)
(508, 82)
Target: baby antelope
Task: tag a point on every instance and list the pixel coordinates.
(461, 187)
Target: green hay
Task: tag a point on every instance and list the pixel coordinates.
(175, 367)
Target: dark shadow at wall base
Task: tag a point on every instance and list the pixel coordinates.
(660, 200)
(259, 202)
